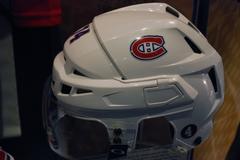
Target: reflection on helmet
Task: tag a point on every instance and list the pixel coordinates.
(136, 77)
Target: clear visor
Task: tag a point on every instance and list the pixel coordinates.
(81, 138)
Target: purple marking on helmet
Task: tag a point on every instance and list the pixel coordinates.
(82, 29)
(79, 33)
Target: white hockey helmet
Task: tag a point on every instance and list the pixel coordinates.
(135, 77)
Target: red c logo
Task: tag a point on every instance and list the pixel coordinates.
(148, 47)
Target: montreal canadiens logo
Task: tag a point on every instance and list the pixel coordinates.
(148, 47)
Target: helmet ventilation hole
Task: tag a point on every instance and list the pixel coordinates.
(212, 76)
(172, 11)
(192, 45)
(82, 91)
(66, 89)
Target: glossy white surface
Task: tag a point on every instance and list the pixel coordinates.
(87, 56)
(175, 85)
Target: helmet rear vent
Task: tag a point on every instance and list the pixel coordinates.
(66, 89)
(82, 91)
(172, 11)
(192, 45)
(212, 76)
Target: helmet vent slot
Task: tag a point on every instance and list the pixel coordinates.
(172, 11)
(76, 72)
(82, 91)
(212, 76)
(192, 45)
(66, 89)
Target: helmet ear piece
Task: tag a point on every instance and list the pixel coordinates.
(136, 77)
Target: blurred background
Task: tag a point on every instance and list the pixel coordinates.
(223, 32)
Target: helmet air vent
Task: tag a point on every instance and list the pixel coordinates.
(192, 45)
(82, 91)
(66, 89)
(172, 12)
(212, 76)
